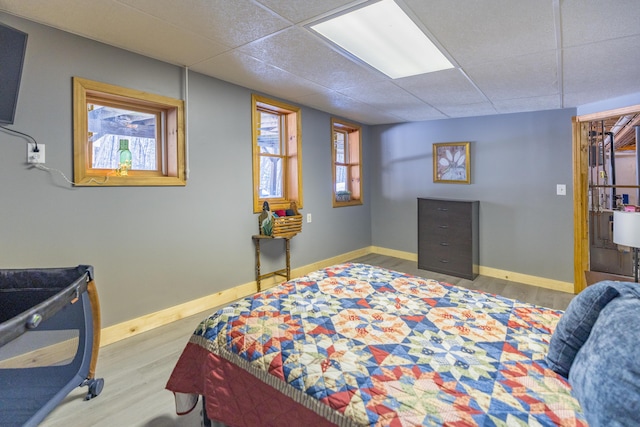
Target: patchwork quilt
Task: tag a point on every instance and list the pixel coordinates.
(359, 345)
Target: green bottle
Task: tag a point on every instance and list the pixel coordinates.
(125, 157)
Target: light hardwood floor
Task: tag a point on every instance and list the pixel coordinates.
(135, 370)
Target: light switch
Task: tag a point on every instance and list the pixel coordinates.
(561, 190)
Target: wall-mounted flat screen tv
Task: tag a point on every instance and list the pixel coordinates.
(13, 45)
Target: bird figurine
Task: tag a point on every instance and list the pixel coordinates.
(266, 220)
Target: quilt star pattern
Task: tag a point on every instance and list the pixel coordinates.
(384, 348)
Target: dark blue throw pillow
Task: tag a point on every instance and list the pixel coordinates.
(605, 375)
(575, 325)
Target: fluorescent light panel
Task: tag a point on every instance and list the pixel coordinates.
(383, 36)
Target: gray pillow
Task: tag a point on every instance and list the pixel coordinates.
(575, 325)
(605, 375)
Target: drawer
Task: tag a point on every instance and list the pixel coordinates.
(444, 246)
(452, 267)
(443, 208)
(445, 229)
(444, 252)
(457, 218)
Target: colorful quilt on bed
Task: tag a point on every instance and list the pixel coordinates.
(356, 344)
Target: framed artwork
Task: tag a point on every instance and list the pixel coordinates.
(451, 163)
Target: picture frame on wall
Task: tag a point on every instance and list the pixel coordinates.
(451, 163)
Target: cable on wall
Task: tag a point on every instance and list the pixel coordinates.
(22, 134)
(45, 168)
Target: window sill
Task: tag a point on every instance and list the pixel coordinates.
(119, 181)
(337, 204)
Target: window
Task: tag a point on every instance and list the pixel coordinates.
(347, 163)
(126, 137)
(277, 158)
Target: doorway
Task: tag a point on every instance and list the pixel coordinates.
(605, 166)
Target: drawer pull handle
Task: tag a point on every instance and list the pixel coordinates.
(444, 261)
(443, 226)
(443, 209)
(444, 244)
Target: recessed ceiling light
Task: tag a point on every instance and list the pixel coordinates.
(383, 36)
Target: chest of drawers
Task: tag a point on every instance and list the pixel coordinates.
(448, 237)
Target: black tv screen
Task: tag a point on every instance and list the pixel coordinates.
(13, 44)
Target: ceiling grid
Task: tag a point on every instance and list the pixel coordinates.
(509, 55)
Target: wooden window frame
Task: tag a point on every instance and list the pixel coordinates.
(354, 161)
(170, 135)
(292, 155)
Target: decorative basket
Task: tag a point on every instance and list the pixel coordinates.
(289, 225)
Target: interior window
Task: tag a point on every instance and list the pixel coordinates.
(347, 163)
(277, 160)
(126, 137)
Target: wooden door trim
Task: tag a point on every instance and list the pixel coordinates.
(580, 189)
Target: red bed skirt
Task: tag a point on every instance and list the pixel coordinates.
(221, 382)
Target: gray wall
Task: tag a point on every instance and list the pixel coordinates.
(516, 162)
(628, 100)
(152, 247)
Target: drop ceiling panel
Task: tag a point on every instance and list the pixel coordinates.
(154, 38)
(298, 11)
(416, 114)
(249, 72)
(592, 21)
(297, 51)
(475, 32)
(211, 18)
(469, 110)
(382, 94)
(39, 10)
(119, 25)
(602, 70)
(388, 97)
(343, 106)
(520, 77)
(551, 102)
(446, 87)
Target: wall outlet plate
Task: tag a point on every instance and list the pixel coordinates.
(308, 218)
(561, 190)
(35, 156)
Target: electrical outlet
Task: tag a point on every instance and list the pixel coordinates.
(561, 190)
(35, 156)
(308, 218)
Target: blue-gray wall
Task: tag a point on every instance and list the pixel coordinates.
(516, 162)
(628, 100)
(153, 247)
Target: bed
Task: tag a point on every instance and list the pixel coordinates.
(359, 345)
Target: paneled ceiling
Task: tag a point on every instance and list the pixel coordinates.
(509, 55)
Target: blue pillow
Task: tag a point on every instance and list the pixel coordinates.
(575, 325)
(605, 376)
